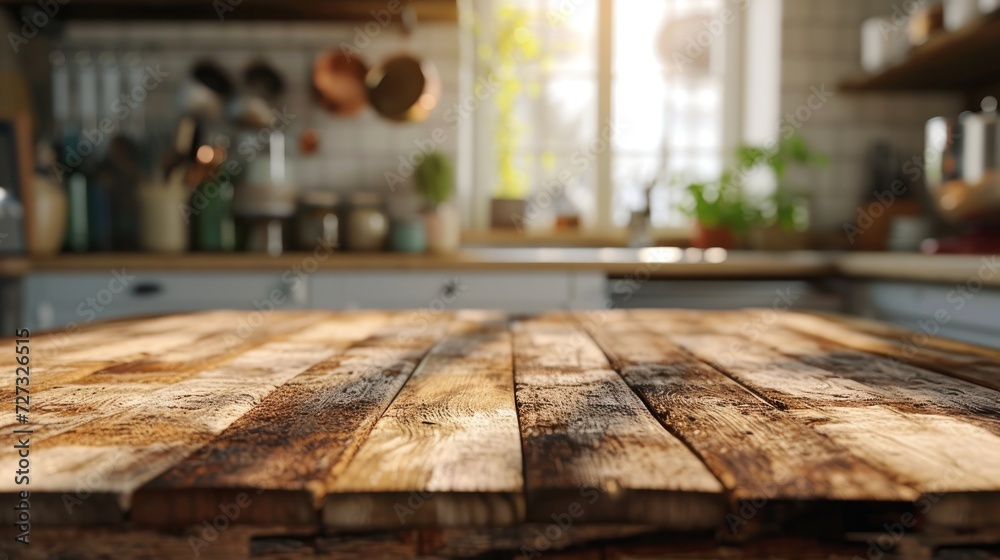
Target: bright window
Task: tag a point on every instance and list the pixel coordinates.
(657, 73)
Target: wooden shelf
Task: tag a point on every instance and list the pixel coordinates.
(284, 10)
(963, 60)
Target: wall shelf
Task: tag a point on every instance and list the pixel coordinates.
(963, 60)
(283, 10)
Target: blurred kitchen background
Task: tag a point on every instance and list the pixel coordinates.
(520, 154)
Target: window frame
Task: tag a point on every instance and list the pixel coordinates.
(476, 181)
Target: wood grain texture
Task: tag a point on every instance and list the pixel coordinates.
(472, 433)
(756, 450)
(109, 440)
(124, 346)
(592, 451)
(891, 383)
(957, 360)
(934, 454)
(96, 394)
(287, 449)
(447, 452)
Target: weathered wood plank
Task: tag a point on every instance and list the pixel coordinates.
(756, 450)
(100, 393)
(893, 332)
(770, 549)
(122, 347)
(86, 473)
(57, 345)
(285, 451)
(592, 451)
(933, 454)
(446, 453)
(898, 385)
(918, 349)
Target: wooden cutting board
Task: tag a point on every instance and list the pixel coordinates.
(486, 431)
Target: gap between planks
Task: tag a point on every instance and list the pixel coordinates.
(948, 452)
(287, 450)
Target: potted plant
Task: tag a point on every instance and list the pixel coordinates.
(724, 213)
(781, 219)
(720, 212)
(511, 47)
(435, 181)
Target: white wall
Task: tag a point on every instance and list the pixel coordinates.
(355, 152)
(821, 46)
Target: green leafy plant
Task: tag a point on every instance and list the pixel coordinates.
(784, 207)
(435, 178)
(724, 203)
(509, 48)
(719, 204)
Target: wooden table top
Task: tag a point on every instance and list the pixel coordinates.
(683, 421)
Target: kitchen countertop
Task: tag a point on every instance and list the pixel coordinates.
(661, 262)
(366, 425)
(667, 262)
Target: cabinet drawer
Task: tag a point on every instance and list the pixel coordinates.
(52, 300)
(514, 292)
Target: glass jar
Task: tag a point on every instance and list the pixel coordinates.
(318, 222)
(366, 225)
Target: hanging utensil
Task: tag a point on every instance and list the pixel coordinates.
(207, 91)
(261, 87)
(338, 78)
(404, 88)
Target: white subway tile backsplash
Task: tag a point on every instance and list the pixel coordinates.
(822, 44)
(342, 173)
(354, 151)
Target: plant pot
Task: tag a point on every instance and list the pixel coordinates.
(163, 227)
(408, 237)
(706, 237)
(776, 238)
(444, 228)
(50, 208)
(507, 213)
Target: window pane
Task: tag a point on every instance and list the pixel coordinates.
(571, 41)
(569, 112)
(664, 106)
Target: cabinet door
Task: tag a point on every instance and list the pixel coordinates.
(514, 292)
(966, 311)
(53, 300)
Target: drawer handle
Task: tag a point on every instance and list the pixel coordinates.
(451, 288)
(145, 289)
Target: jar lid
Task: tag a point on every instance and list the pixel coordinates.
(321, 198)
(365, 198)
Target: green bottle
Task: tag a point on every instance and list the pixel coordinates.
(212, 215)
